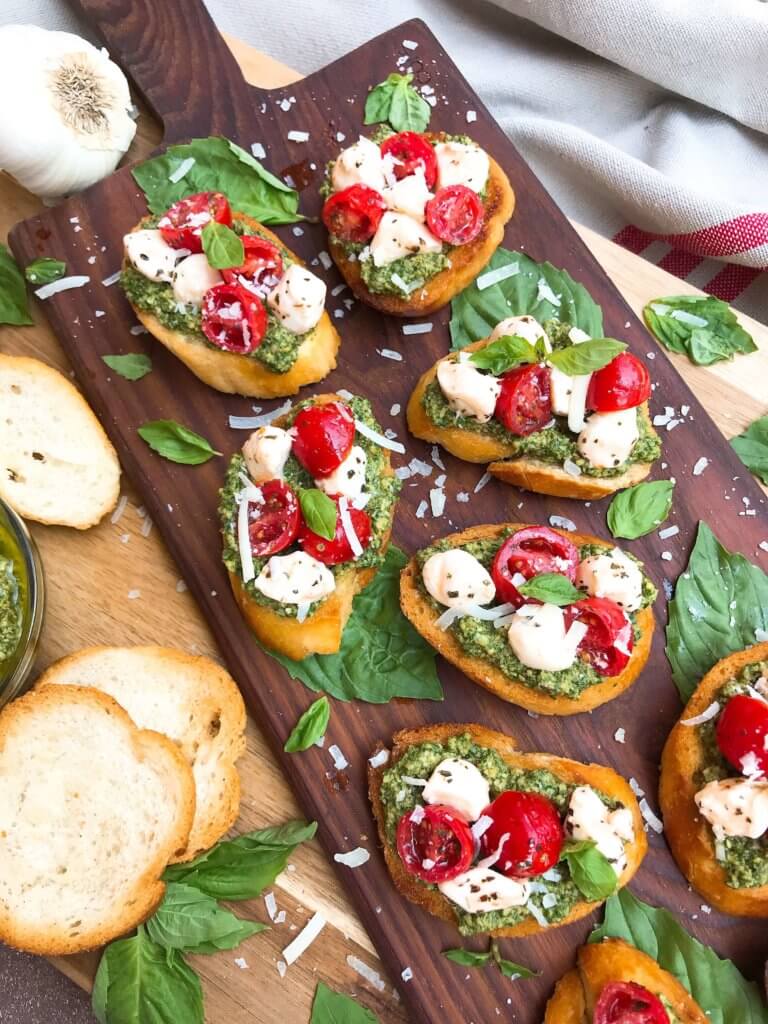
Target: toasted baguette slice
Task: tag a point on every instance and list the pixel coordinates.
(91, 811)
(688, 834)
(532, 474)
(599, 964)
(243, 375)
(604, 779)
(57, 465)
(466, 260)
(192, 701)
(416, 608)
(321, 632)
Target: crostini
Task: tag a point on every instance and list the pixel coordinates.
(556, 622)
(413, 218)
(713, 790)
(501, 401)
(480, 834)
(306, 513)
(258, 329)
(615, 982)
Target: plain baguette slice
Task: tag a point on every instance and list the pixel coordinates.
(57, 465)
(193, 701)
(91, 811)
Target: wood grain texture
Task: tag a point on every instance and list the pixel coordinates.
(104, 569)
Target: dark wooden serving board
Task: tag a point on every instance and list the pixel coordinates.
(187, 75)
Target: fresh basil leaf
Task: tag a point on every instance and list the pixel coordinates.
(222, 246)
(291, 834)
(318, 511)
(310, 727)
(700, 326)
(176, 442)
(640, 509)
(467, 957)
(513, 971)
(100, 989)
(752, 448)
(475, 312)
(220, 166)
(504, 353)
(192, 922)
(395, 100)
(721, 991)
(379, 101)
(578, 360)
(44, 270)
(591, 871)
(329, 1007)
(13, 292)
(552, 588)
(720, 601)
(381, 656)
(133, 366)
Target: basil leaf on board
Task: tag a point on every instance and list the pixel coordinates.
(591, 871)
(133, 366)
(700, 326)
(587, 357)
(329, 1007)
(44, 270)
(508, 968)
(552, 588)
(219, 166)
(718, 987)
(396, 101)
(381, 656)
(176, 442)
(13, 292)
(467, 957)
(640, 509)
(318, 511)
(100, 989)
(192, 922)
(222, 247)
(310, 727)
(752, 448)
(504, 353)
(513, 971)
(530, 290)
(720, 602)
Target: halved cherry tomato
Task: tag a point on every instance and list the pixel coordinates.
(622, 384)
(455, 214)
(354, 213)
(261, 268)
(411, 152)
(526, 833)
(233, 318)
(273, 523)
(332, 552)
(742, 732)
(524, 403)
(437, 846)
(182, 225)
(626, 1002)
(609, 640)
(323, 437)
(529, 552)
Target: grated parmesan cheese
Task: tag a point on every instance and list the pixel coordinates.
(304, 939)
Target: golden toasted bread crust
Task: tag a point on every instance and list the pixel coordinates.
(604, 779)
(688, 834)
(532, 474)
(416, 608)
(242, 375)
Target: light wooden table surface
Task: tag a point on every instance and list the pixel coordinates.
(89, 576)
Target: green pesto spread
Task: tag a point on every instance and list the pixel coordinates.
(745, 861)
(554, 443)
(481, 639)
(380, 508)
(11, 610)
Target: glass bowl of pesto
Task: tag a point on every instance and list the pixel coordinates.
(22, 599)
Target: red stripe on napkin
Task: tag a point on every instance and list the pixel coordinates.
(730, 282)
(679, 262)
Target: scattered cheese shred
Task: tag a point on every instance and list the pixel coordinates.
(423, 328)
(353, 858)
(650, 817)
(372, 977)
(499, 274)
(112, 279)
(339, 761)
(62, 285)
(182, 170)
(379, 759)
(244, 539)
(304, 939)
(379, 439)
(117, 515)
(700, 465)
(254, 422)
(705, 715)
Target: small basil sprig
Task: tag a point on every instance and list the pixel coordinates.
(504, 353)
(329, 1007)
(468, 958)
(310, 727)
(575, 360)
(223, 248)
(132, 366)
(587, 357)
(13, 292)
(591, 871)
(318, 511)
(752, 448)
(44, 270)
(552, 588)
(396, 101)
(700, 326)
(638, 510)
(176, 442)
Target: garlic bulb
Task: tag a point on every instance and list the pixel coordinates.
(65, 116)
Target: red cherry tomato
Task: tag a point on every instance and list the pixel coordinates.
(436, 847)
(233, 318)
(626, 1002)
(411, 152)
(354, 213)
(524, 403)
(526, 832)
(323, 438)
(182, 225)
(455, 214)
(742, 730)
(273, 524)
(531, 551)
(622, 384)
(332, 552)
(608, 641)
(262, 266)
